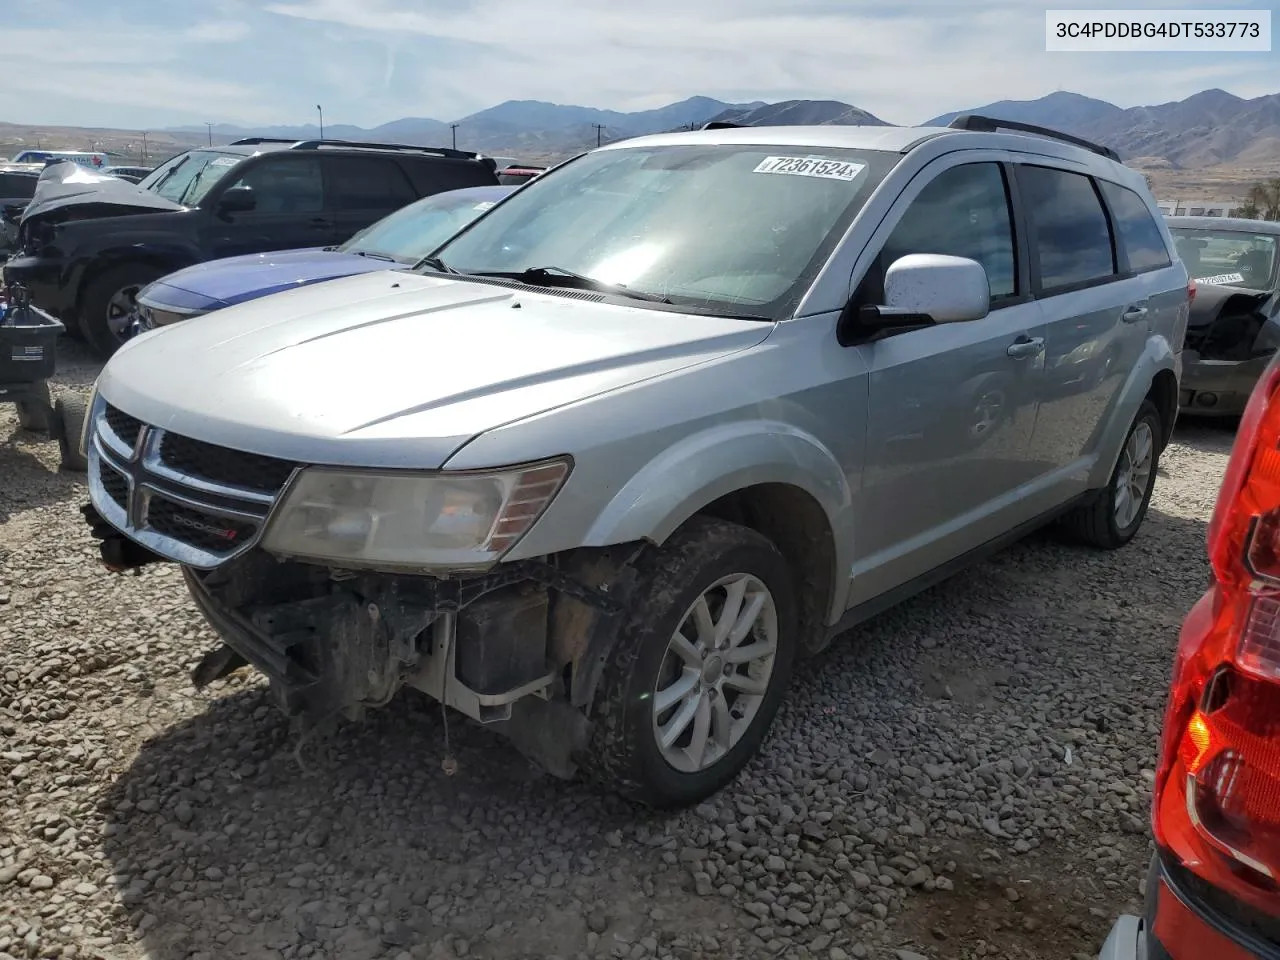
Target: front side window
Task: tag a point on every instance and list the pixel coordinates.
(285, 185)
(734, 229)
(188, 177)
(1139, 235)
(963, 212)
(1229, 258)
(1071, 238)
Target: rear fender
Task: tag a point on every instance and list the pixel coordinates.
(702, 468)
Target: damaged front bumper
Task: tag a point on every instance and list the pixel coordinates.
(1218, 387)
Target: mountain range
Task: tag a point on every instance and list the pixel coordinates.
(1210, 128)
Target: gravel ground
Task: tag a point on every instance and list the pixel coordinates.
(968, 777)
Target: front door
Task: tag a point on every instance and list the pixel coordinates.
(289, 211)
(951, 407)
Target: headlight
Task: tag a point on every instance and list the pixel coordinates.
(411, 520)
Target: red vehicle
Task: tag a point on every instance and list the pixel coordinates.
(1214, 887)
(516, 175)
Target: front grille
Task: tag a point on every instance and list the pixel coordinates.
(117, 487)
(190, 501)
(122, 425)
(195, 527)
(221, 465)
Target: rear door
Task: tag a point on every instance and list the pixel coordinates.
(362, 190)
(951, 408)
(289, 210)
(1097, 313)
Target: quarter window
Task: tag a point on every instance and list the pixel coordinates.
(1071, 239)
(1139, 236)
(963, 212)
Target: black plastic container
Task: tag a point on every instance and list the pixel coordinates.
(28, 341)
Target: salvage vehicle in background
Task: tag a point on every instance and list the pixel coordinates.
(1211, 890)
(88, 243)
(399, 240)
(17, 186)
(1234, 328)
(663, 420)
(132, 174)
(93, 159)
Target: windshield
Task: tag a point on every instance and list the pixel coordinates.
(414, 231)
(1231, 258)
(188, 177)
(738, 230)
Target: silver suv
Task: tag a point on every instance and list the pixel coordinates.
(679, 411)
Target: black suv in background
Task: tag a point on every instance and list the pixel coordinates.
(86, 245)
(17, 186)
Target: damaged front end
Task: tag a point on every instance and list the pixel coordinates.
(518, 648)
(1231, 336)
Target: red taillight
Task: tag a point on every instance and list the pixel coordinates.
(1191, 290)
(1217, 789)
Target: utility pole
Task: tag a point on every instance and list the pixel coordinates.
(320, 110)
(209, 126)
(453, 128)
(599, 132)
(144, 148)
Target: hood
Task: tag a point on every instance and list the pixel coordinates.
(221, 283)
(395, 369)
(68, 184)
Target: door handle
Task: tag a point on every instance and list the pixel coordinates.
(1134, 313)
(1025, 347)
(318, 222)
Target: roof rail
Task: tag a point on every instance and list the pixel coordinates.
(973, 121)
(361, 145)
(720, 125)
(251, 141)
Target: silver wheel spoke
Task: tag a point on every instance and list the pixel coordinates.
(684, 685)
(701, 731)
(745, 683)
(752, 651)
(671, 731)
(747, 619)
(733, 595)
(702, 620)
(721, 724)
(686, 651)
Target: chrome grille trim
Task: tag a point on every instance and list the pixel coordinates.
(147, 480)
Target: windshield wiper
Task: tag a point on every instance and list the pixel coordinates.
(560, 277)
(374, 256)
(436, 264)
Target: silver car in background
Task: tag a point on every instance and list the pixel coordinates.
(681, 410)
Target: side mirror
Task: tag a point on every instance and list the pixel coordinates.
(920, 290)
(237, 200)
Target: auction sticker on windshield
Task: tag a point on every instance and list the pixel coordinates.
(224, 161)
(1221, 278)
(822, 167)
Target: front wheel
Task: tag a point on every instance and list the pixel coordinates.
(66, 425)
(699, 668)
(107, 307)
(1113, 518)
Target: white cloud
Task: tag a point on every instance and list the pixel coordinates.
(217, 31)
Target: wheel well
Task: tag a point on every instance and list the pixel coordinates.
(145, 260)
(797, 525)
(1164, 394)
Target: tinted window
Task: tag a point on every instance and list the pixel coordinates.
(285, 185)
(366, 183)
(963, 212)
(1071, 239)
(16, 185)
(436, 176)
(1143, 245)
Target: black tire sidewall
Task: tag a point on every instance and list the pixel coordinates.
(66, 422)
(1148, 413)
(92, 318)
(658, 609)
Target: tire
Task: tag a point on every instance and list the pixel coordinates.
(1098, 523)
(624, 753)
(33, 413)
(66, 424)
(101, 319)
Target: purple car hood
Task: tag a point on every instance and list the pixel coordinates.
(221, 283)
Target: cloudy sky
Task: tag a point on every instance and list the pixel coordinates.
(152, 63)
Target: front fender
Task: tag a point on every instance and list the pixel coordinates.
(1157, 356)
(711, 464)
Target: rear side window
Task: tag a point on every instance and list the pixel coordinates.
(431, 176)
(1071, 243)
(1140, 238)
(366, 183)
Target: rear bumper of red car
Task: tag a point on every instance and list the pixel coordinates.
(1181, 924)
